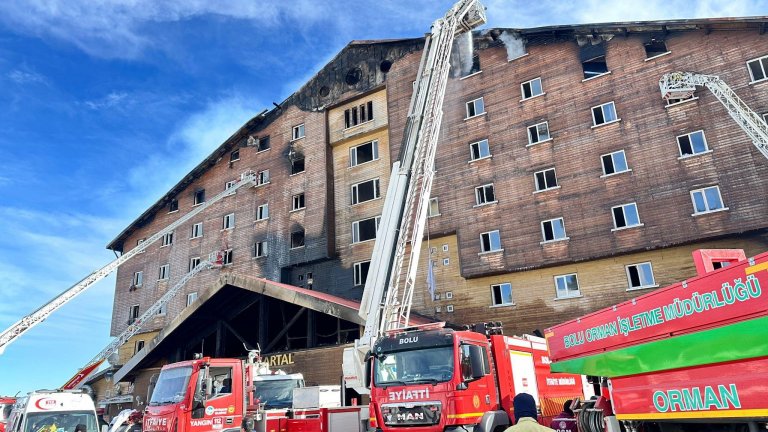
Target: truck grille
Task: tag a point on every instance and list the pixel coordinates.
(411, 414)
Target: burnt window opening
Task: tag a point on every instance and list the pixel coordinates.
(655, 47)
(227, 258)
(361, 272)
(385, 66)
(260, 249)
(593, 60)
(297, 165)
(263, 143)
(297, 239)
(173, 205)
(199, 197)
(358, 115)
(133, 314)
(234, 156)
(475, 64)
(324, 91)
(353, 76)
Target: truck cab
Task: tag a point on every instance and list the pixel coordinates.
(54, 411)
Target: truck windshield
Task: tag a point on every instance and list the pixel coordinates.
(414, 366)
(61, 421)
(275, 393)
(171, 386)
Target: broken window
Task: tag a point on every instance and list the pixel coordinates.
(567, 286)
(227, 257)
(655, 48)
(262, 178)
(475, 107)
(614, 163)
(545, 179)
(553, 230)
(692, 144)
(593, 60)
(199, 196)
(235, 155)
(490, 241)
(365, 191)
(262, 212)
(133, 314)
(173, 206)
(531, 88)
(640, 276)
(501, 294)
(479, 149)
(363, 153)
(358, 114)
(538, 133)
(197, 230)
(707, 200)
(434, 207)
(260, 249)
(297, 165)
(263, 144)
(298, 202)
(365, 229)
(138, 279)
(297, 239)
(164, 272)
(230, 184)
(485, 194)
(228, 221)
(298, 132)
(758, 68)
(673, 101)
(139, 346)
(625, 216)
(361, 272)
(605, 113)
(194, 262)
(167, 239)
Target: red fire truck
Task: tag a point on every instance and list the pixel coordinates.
(690, 356)
(433, 378)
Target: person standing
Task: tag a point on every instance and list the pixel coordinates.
(525, 415)
(565, 421)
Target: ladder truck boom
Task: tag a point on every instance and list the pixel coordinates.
(387, 297)
(679, 85)
(23, 325)
(214, 260)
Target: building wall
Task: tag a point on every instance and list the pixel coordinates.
(128, 349)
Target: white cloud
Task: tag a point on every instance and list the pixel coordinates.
(111, 100)
(20, 76)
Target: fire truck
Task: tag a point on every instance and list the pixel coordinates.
(690, 356)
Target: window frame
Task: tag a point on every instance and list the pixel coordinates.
(298, 202)
(167, 239)
(133, 316)
(138, 279)
(358, 110)
(355, 191)
(198, 198)
(479, 148)
(263, 144)
(260, 213)
(303, 233)
(690, 143)
(490, 242)
(228, 185)
(535, 127)
(260, 249)
(298, 132)
(164, 272)
(234, 155)
(704, 195)
(764, 68)
(474, 108)
(641, 286)
(262, 178)
(357, 273)
(544, 177)
(374, 153)
(295, 165)
(356, 229)
(228, 222)
(193, 296)
(196, 261)
(530, 89)
(623, 207)
(501, 303)
(227, 257)
(554, 238)
(564, 276)
(173, 205)
(436, 201)
(481, 192)
(196, 231)
(602, 113)
(613, 162)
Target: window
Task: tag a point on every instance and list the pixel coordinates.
(139, 242)
(167, 239)
(365, 191)
(228, 221)
(164, 272)
(358, 114)
(758, 68)
(446, 261)
(297, 239)
(139, 346)
(361, 272)
(479, 150)
(553, 230)
(262, 178)
(365, 229)
(614, 163)
(234, 156)
(227, 258)
(567, 286)
(593, 60)
(545, 179)
(163, 309)
(475, 107)
(655, 48)
(692, 144)
(197, 230)
(133, 314)
(228, 185)
(605, 113)
(260, 249)
(173, 206)
(538, 133)
(138, 278)
(485, 194)
(640, 276)
(490, 241)
(194, 262)
(707, 200)
(363, 153)
(263, 144)
(199, 197)
(434, 208)
(298, 202)
(262, 212)
(191, 297)
(297, 164)
(625, 216)
(298, 132)
(531, 88)
(501, 294)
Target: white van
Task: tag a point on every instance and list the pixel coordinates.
(54, 411)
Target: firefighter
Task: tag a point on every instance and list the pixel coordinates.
(525, 415)
(565, 421)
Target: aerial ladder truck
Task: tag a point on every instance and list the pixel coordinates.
(432, 378)
(26, 323)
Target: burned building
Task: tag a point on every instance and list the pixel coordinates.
(564, 183)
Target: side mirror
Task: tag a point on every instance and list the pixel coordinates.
(368, 369)
(208, 387)
(472, 364)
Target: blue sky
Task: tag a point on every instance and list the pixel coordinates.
(104, 105)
